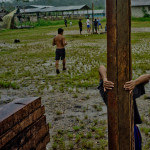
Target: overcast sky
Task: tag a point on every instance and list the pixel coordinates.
(5, 0)
(9, 0)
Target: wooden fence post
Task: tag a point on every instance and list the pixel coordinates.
(93, 18)
(120, 103)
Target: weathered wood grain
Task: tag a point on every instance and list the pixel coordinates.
(16, 111)
(10, 134)
(36, 139)
(44, 142)
(21, 138)
(113, 134)
(120, 104)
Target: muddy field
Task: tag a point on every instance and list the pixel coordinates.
(75, 111)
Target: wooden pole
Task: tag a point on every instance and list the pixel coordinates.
(92, 17)
(87, 13)
(120, 103)
(105, 9)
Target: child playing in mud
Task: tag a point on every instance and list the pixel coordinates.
(135, 86)
(60, 43)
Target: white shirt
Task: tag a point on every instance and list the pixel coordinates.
(88, 22)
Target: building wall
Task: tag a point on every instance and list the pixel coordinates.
(95, 16)
(138, 11)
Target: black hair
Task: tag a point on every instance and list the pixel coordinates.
(60, 30)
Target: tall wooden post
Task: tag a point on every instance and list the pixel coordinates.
(120, 104)
(92, 18)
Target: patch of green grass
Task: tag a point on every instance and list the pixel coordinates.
(103, 122)
(61, 132)
(86, 117)
(50, 125)
(54, 145)
(87, 97)
(70, 136)
(78, 138)
(82, 126)
(89, 135)
(42, 22)
(139, 23)
(145, 96)
(93, 128)
(140, 19)
(103, 144)
(100, 132)
(84, 109)
(76, 128)
(70, 146)
(77, 119)
(146, 130)
(58, 112)
(6, 52)
(75, 96)
(7, 75)
(87, 144)
(82, 134)
(97, 107)
(95, 122)
(6, 84)
(61, 144)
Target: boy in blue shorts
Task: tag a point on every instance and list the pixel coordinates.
(88, 25)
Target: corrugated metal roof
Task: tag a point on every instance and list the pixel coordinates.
(140, 3)
(67, 8)
(54, 9)
(37, 6)
(33, 10)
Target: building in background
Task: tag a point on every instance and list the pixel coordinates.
(86, 13)
(140, 8)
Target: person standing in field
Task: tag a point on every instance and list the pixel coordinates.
(80, 26)
(99, 24)
(70, 23)
(134, 86)
(60, 43)
(88, 25)
(95, 25)
(65, 22)
(106, 28)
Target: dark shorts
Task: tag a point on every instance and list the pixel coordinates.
(88, 26)
(60, 54)
(80, 29)
(101, 91)
(96, 28)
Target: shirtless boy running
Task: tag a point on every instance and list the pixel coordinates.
(60, 43)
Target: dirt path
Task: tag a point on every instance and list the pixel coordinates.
(84, 32)
(138, 30)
